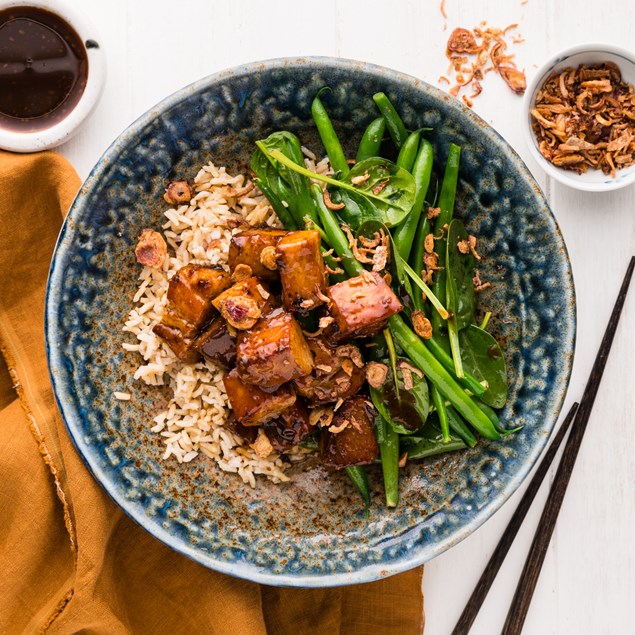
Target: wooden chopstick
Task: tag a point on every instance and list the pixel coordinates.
(488, 576)
(529, 576)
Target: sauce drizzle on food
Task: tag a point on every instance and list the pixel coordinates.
(43, 69)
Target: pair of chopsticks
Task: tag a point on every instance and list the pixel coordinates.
(577, 420)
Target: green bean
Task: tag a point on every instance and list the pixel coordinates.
(395, 126)
(416, 255)
(458, 426)
(279, 208)
(438, 376)
(432, 447)
(329, 138)
(336, 236)
(359, 478)
(408, 152)
(439, 403)
(421, 170)
(388, 441)
(371, 140)
(446, 203)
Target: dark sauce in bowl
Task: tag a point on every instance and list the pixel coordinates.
(43, 69)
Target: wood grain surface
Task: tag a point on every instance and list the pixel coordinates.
(154, 47)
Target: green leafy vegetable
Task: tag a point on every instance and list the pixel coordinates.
(288, 145)
(386, 195)
(483, 358)
(460, 294)
(408, 410)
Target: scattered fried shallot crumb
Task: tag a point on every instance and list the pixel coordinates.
(241, 272)
(463, 246)
(444, 14)
(482, 287)
(232, 192)
(484, 45)
(329, 203)
(443, 79)
(268, 258)
(433, 212)
(428, 243)
(422, 325)
(376, 374)
(472, 243)
(585, 118)
(262, 446)
(151, 249)
(380, 258)
(362, 178)
(178, 193)
(322, 416)
(403, 459)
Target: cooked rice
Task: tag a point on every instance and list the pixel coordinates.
(193, 421)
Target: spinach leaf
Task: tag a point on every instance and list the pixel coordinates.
(460, 294)
(406, 414)
(483, 358)
(429, 442)
(289, 146)
(390, 204)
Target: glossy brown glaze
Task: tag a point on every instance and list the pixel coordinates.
(216, 344)
(246, 248)
(291, 427)
(335, 375)
(43, 69)
(251, 404)
(192, 289)
(361, 305)
(274, 351)
(356, 443)
(302, 271)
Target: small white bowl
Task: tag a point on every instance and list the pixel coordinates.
(591, 180)
(57, 134)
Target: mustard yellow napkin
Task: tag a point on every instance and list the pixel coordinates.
(70, 560)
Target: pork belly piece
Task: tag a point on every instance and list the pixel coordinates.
(355, 444)
(192, 289)
(291, 427)
(243, 303)
(247, 247)
(302, 270)
(251, 404)
(179, 335)
(274, 351)
(338, 372)
(216, 343)
(361, 305)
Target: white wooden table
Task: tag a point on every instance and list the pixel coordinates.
(154, 47)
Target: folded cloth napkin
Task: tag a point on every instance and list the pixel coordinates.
(70, 560)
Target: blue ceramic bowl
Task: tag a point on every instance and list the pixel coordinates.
(314, 530)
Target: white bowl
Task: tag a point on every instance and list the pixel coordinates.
(591, 180)
(60, 132)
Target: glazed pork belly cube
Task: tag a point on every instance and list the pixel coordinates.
(291, 427)
(247, 247)
(216, 343)
(302, 270)
(338, 372)
(192, 289)
(274, 351)
(355, 443)
(179, 336)
(361, 305)
(243, 303)
(251, 404)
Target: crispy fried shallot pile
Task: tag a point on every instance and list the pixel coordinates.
(585, 118)
(474, 53)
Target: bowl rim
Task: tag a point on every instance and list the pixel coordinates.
(566, 177)
(247, 570)
(59, 133)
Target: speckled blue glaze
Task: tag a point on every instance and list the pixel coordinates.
(312, 531)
